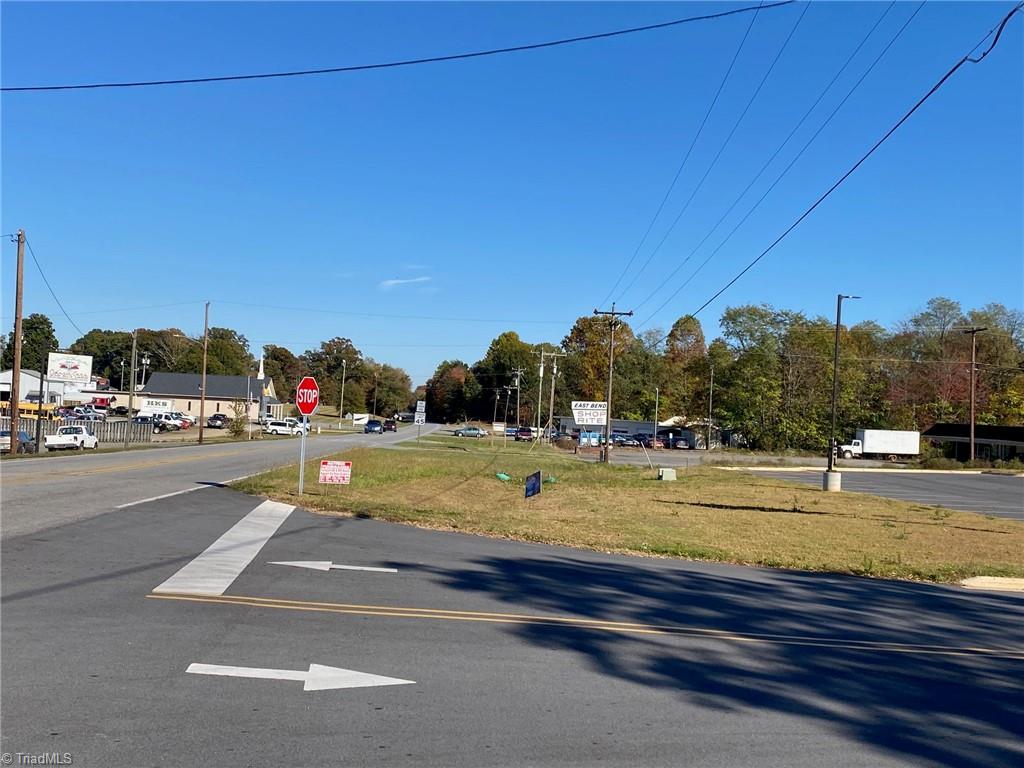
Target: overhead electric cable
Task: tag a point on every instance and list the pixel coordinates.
(718, 155)
(686, 157)
(403, 62)
(50, 288)
(775, 183)
(964, 60)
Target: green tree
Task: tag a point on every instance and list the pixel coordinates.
(108, 349)
(451, 391)
(37, 341)
(285, 369)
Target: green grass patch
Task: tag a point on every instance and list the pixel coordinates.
(708, 514)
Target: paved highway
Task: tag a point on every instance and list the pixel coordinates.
(40, 492)
(998, 495)
(518, 654)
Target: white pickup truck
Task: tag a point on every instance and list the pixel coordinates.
(75, 438)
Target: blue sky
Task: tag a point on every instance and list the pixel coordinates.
(498, 193)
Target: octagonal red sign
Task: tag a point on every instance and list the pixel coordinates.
(307, 396)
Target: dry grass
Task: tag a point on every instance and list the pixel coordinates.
(709, 514)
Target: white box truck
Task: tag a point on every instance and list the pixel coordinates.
(888, 444)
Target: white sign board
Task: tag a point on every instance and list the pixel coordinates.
(421, 418)
(421, 406)
(336, 472)
(153, 404)
(498, 427)
(76, 369)
(590, 414)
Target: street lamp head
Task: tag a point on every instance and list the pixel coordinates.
(843, 296)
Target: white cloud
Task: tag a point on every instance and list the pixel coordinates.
(387, 285)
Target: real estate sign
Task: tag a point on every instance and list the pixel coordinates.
(336, 472)
(590, 414)
(74, 369)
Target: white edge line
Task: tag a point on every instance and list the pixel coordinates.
(179, 493)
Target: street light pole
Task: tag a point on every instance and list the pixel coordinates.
(974, 366)
(832, 478)
(202, 386)
(376, 377)
(341, 399)
(613, 318)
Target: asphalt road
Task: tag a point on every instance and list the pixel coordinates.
(520, 654)
(998, 495)
(39, 492)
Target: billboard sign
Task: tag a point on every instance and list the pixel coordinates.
(590, 414)
(73, 369)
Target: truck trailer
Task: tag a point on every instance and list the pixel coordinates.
(888, 444)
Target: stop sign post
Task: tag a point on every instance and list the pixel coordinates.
(307, 398)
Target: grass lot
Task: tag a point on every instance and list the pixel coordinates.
(708, 514)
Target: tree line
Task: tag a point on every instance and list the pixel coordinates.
(367, 382)
(772, 373)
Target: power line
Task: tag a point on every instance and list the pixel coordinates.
(686, 157)
(50, 288)
(775, 183)
(964, 60)
(781, 146)
(721, 149)
(404, 62)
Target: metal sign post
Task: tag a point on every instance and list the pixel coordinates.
(421, 416)
(307, 398)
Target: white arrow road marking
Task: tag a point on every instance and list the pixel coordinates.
(327, 565)
(317, 678)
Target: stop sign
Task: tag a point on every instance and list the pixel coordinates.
(307, 396)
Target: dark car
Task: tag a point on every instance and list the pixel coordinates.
(373, 426)
(390, 425)
(524, 434)
(26, 443)
(218, 421)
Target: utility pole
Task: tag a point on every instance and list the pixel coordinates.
(122, 374)
(202, 386)
(39, 411)
(974, 366)
(613, 321)
(145, 364)
(131, 387)
(540, 390)
(551, 400)
(832, 478)
(341, 399)
(657, 397)
(518, 372)
(376, 376)
(711, 400)
(16, 367)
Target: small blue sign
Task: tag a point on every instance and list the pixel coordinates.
(533, 484)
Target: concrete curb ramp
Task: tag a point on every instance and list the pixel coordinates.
(994, 583)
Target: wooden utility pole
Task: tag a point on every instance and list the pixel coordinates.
(16, 366)
(202, 386)
(974, 365)
(131, 388)
(613, 321)
(540, 390)
(551, 401)
(711, 400)
(519, 373)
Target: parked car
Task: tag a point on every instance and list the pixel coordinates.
(373, 426)
(26, 443)
(281, 427)
(648, 441)
(185, 420)
(524, 434)
(297, 425)
(390, 425)
(88, 413)
(120, 410)
(511, 431)
(470, 432)
(218, 421)
(625, 441)
(74, 437)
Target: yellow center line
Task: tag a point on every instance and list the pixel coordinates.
(595, 624)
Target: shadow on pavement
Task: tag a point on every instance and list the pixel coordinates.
(932, 709)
